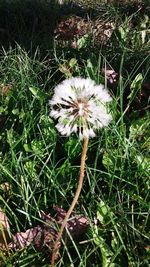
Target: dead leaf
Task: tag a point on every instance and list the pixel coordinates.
(5, 89)
(24, 239)
(4, 230)
(110, 74)
(42, 237)
(6, 187)
(4, 220)
(77, 224)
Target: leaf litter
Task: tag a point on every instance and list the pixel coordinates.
(41, 236)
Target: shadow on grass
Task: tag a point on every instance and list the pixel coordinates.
(29, 23)
(32, 23)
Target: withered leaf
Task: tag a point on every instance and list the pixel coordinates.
(4, 230)
(5, 89)
(42, 237)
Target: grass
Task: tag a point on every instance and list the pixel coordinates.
(42, 167)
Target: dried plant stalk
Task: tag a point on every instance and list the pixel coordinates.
(77, 194)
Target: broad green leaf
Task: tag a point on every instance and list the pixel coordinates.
(106, 251)
(73, 62)
(30, 168)
(15, 111)
(36, 92)
(137, 82)
(144, 162)
(83, 41)
(27, 147)
(136, 86)
(37, 147)
(102, 212)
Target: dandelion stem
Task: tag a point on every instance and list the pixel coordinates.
(75, 199)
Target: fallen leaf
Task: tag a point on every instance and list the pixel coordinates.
(6, 187)
(110, 75)
(4, 230)
(42, 237)
(77, 224)
(5, 89)
(24, 239)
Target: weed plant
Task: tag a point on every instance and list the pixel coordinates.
(41, 167)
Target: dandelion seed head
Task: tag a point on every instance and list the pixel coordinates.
(80, 106)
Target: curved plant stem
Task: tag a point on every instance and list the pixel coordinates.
(75, 199)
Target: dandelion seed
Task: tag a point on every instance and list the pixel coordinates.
(80, 106)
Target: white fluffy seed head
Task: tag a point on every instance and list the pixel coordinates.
(79, 105)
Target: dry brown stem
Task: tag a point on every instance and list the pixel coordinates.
(76, 196)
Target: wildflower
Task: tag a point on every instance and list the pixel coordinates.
(79, 105)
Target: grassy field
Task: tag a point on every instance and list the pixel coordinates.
(39, 166)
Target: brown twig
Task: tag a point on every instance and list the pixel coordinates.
(75, 199)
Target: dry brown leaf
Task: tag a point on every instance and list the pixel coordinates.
(41, 236)
(5, 89)
(6, 187)
(77, 224)
(4, 220)
(4, 230)
(24, 239)
(110, 74)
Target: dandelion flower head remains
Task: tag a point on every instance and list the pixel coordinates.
(79, 105)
